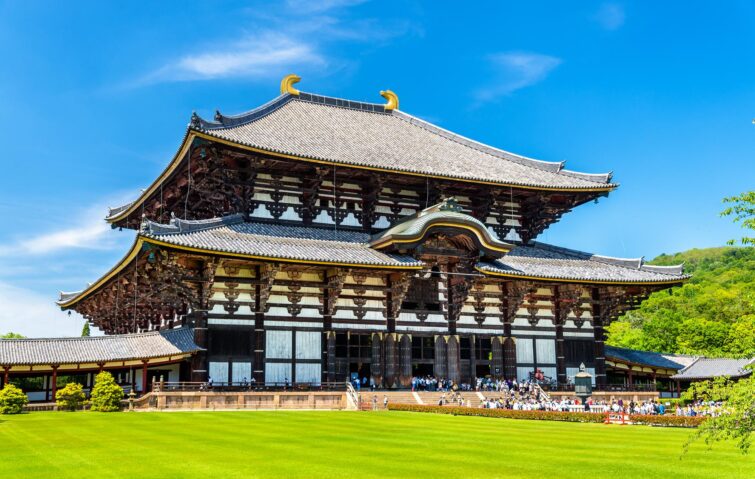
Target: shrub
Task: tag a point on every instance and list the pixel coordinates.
(106, 394)
(12, 400)
(668, 420)
(71, 397)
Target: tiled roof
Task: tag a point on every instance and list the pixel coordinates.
(707, 368)
(232, 235)
(545, 261)
(364, 134)
(97, 349)
(645, 358)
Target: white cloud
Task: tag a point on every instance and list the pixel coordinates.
(610, 16)
(35, 315)
(89, 232)
(261, 56)
(516, 70)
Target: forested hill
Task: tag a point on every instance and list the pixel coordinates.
(713, 314)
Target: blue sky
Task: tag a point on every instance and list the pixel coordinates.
(95, 97)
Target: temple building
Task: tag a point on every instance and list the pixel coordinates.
(313, 238)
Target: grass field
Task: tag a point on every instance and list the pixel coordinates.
(346, 444)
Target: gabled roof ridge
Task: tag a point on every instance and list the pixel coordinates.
(90, 338)
(179, 226)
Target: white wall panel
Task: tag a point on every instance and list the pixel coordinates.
(546, 351)
(524, 351)
(241, 371)
(277, 372)
(308, 345)
(308, 373)
(278, 344)
(219, 371)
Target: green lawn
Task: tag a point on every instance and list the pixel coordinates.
(222, 445)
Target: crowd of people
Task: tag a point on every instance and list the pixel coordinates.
(431, 383)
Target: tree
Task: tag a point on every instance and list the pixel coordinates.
(12, 400)
(85, 331)
(743, 210)
(12, 336)
(737, 420)
(106, 394)
(71, 397)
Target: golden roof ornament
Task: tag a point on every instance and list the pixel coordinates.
(287, 84)
(392, 100)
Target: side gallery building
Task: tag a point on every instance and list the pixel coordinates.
(314, 237)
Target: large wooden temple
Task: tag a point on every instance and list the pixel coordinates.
(314, 237)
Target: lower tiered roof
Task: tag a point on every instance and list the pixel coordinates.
(172, 343)
(235, 237)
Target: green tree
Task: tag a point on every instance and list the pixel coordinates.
(85, 331)
(12, 400)
(106, 394)
(11, 336)
(742, 209)
(71, 397)
(737, 421)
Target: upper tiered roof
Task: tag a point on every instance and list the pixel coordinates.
(319, 129)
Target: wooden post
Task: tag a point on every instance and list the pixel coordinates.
(145, 387)
(630, 378)
(6, 375)
(54, 381)
(600, 354)
(560, 318)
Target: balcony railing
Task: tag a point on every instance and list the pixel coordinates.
(608, 388)
(246, 386)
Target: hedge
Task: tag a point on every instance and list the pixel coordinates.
(12, 400)
(670, 421)
(505, 413)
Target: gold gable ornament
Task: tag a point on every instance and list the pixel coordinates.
(287, 84)
(392, 100)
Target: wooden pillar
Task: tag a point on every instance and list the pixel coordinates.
(440, 361)
(630, 378)
(145, 386)
(472, 358)
(330, 364)
(453, 352)
(199, 360)
(6, 375)
(678, 388)
(391, 360)
(54, 385)
(599, 350)
(497, 365)
(509, 358)
(376, 365)
(259, 332)
(559, 318)
(405, 360)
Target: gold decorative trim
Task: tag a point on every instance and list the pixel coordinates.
(579, 281)
(287, 84)
(392, 100)
(480, 236)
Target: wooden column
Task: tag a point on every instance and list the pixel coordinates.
(376, 366)
(199, 360)
(405, 360)
(259, 332)
(330, 363)
(453, 352)
(54, 385)
(497, 364)
(630, 378)
(6, 375)
(391, 360)
(472, 357)
(600, 354)
(440, 361)
(559, 319)
(145, 386)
